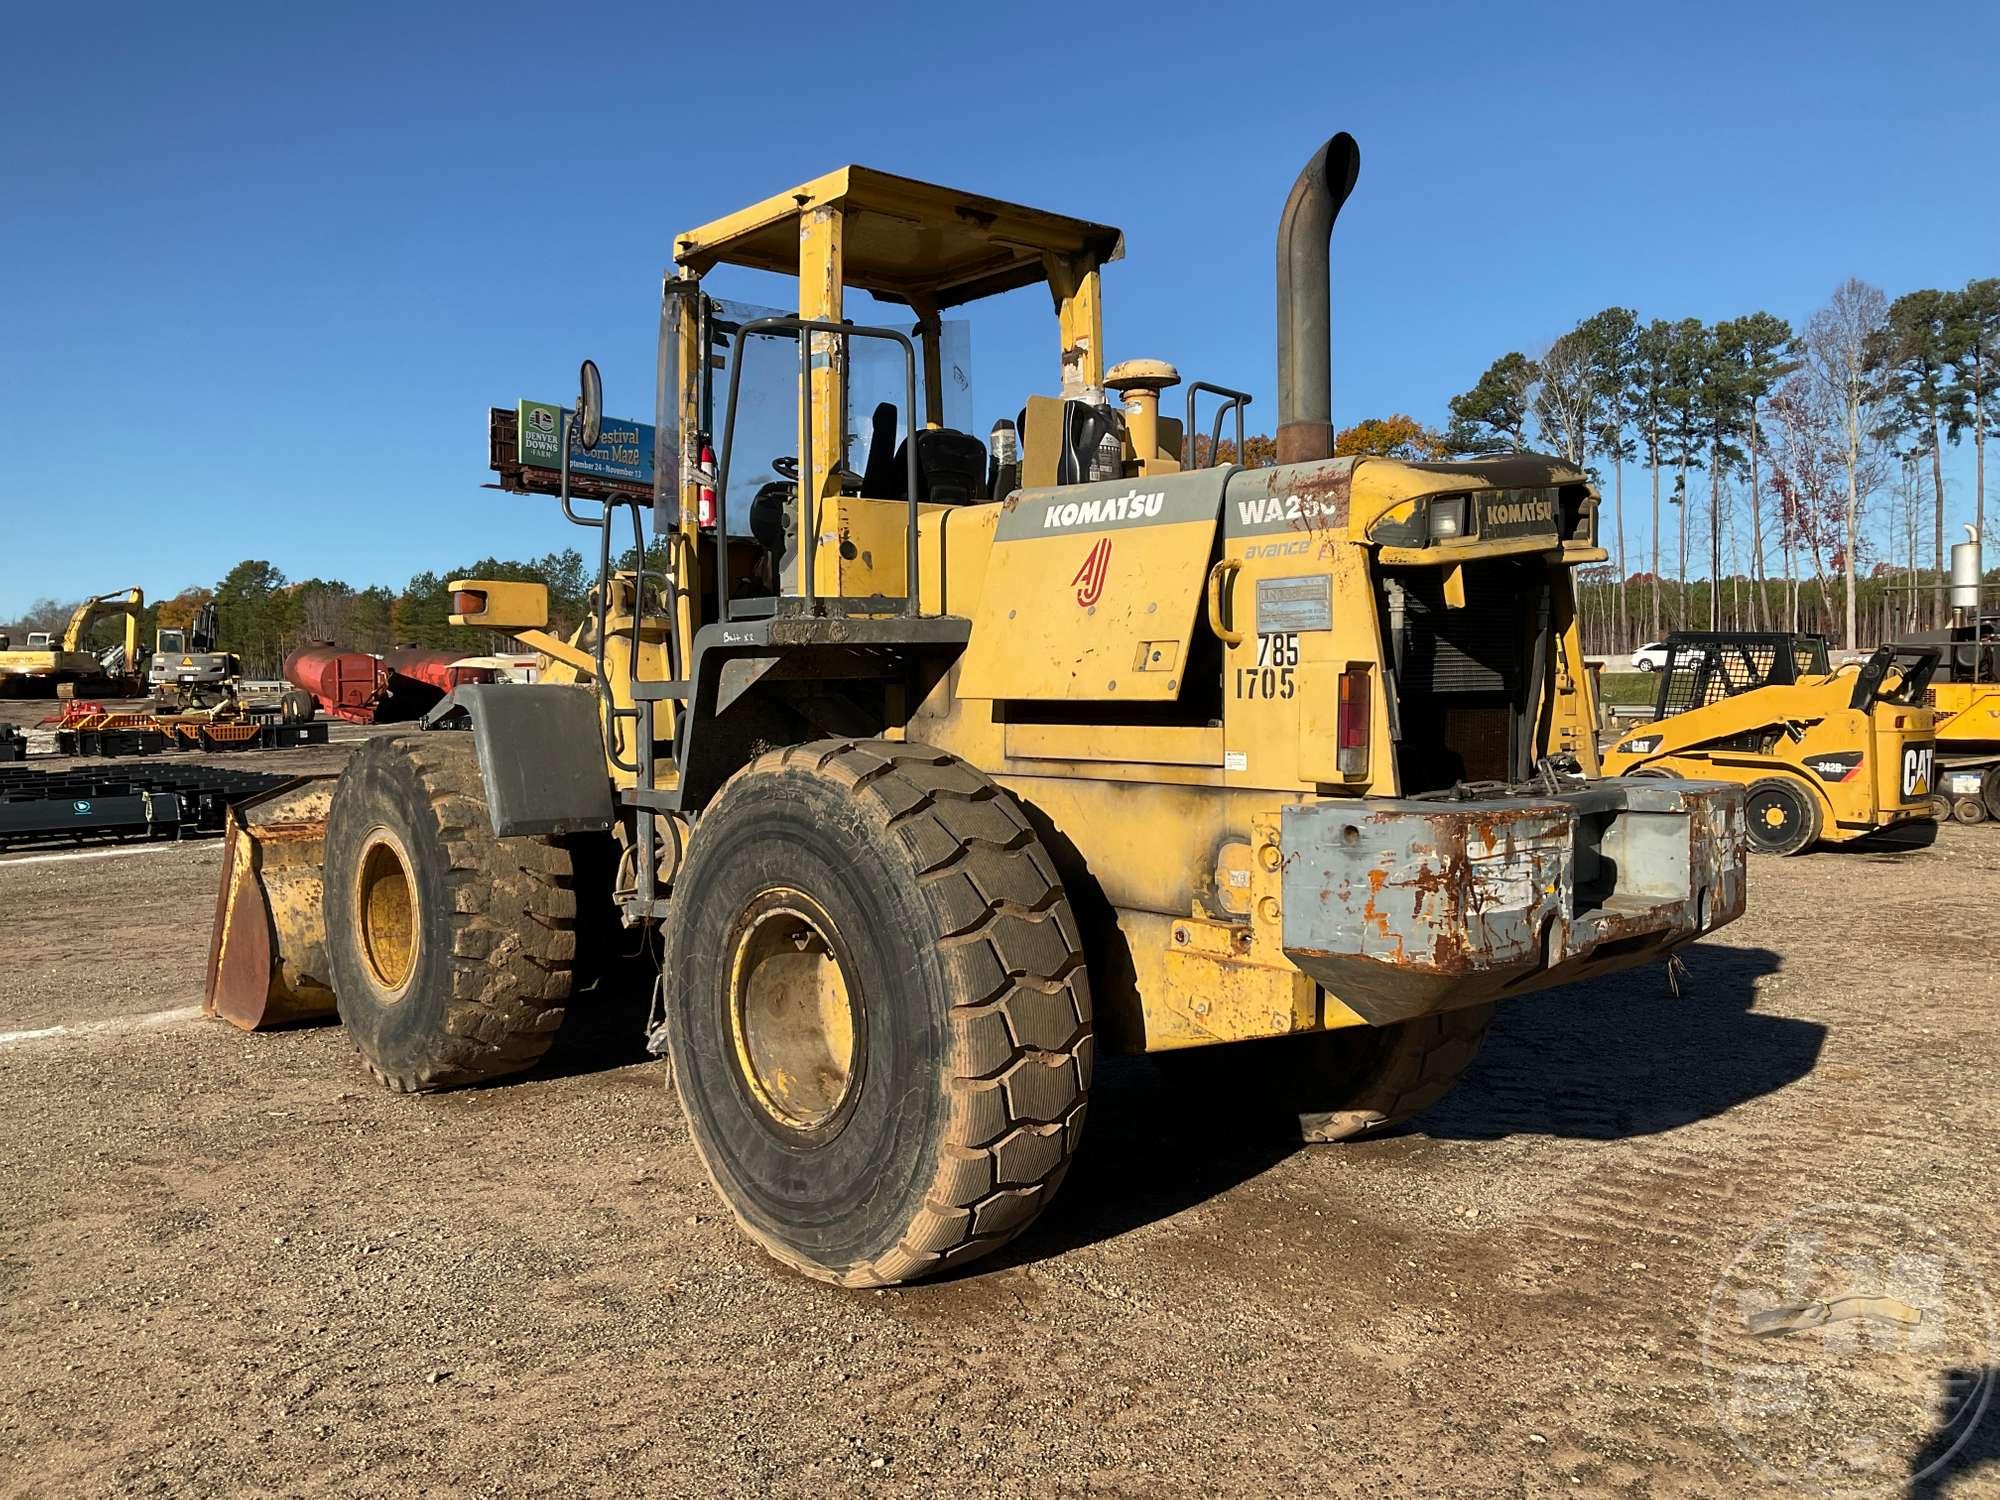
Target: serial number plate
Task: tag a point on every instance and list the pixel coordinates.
(1286, 605)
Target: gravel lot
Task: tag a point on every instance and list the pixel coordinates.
(231, 1263)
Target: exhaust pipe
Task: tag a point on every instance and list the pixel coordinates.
(1305, 342)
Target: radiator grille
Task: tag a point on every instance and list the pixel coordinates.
(1470, 650)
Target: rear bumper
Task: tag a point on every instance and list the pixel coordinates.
(1402, 907)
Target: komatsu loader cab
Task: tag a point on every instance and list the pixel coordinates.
(939, 759)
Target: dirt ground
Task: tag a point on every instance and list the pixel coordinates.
(230, 1263)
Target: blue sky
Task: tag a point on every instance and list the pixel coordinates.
(267, 266)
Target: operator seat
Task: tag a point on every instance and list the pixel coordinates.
(951, 465)
(882, 475)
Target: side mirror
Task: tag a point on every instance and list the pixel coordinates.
(589, 422)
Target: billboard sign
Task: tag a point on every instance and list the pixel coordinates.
(624, 451)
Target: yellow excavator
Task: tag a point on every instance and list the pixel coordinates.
(1823, 756)
(68, 668)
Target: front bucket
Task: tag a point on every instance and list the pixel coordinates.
(267, 954)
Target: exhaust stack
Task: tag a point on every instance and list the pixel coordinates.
(1305, 353)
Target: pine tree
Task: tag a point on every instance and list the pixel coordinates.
(1611, 336)
(1492, 417)
(1647, 404)
(1910, 357)
(1975, 344)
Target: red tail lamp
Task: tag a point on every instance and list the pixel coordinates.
(1356, 704)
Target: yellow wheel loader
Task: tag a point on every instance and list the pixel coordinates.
(936, 766)
(1823, 756)
(1967, 706)
(1965, 694)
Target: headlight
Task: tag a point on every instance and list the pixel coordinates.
(1448, 518)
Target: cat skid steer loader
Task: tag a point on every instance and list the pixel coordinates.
(1823, 756)
(938, 766)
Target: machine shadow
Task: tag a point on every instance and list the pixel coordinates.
(1612, 1058)
(1952, 1454)
(605, 1027)
(1625, 1056)
(1149, 1152)
(1887, 845)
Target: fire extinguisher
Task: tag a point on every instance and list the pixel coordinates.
(705, 508)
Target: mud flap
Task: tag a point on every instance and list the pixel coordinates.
(267, 953)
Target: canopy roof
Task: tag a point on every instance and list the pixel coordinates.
(904, 239)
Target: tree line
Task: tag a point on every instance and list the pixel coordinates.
(1825, 444)
(262, 616)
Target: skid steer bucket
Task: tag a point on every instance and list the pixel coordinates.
(267, 955)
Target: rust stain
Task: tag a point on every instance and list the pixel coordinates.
(1324, 493)
(1371, 909)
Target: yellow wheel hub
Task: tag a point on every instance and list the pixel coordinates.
(385, 911)
(792, 1015)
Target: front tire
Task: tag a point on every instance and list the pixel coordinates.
(451, 949)
(879, 1014)
(1780, 816)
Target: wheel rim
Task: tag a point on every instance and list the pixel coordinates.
(385, 911)
(793, 1020)
(1773, 819)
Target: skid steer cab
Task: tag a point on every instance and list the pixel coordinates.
(1823, 756)
(935, 764)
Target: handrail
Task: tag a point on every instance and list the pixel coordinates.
(1236, 402)
(808, 500)
(600, 615)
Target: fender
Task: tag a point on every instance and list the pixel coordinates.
(541, 754)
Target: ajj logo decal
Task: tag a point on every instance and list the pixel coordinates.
(1089, 578)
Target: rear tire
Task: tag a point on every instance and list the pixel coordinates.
(879, 1015)
(1989, 791)
(1781, 816)
(451, 949)
(1338, 1085)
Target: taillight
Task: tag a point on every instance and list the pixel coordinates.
(1351, 732)
(468, 602)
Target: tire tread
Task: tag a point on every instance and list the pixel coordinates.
(1010, 948)
(513, 918)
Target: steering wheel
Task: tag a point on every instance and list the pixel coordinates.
(786, 468)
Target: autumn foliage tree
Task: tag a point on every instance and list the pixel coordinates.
(1395, 436)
